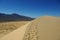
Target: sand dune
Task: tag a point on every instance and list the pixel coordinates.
(42, 28)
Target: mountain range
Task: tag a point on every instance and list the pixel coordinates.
(13, 17)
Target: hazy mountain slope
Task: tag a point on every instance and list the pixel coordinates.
(13, 17)
(43, 28)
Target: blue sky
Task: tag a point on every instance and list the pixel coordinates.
(31, 8)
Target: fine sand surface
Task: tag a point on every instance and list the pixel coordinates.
(16, 35)
(43, 28)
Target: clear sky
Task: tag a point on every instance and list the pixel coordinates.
(31, 8)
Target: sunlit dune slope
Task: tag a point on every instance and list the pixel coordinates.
(42, 28)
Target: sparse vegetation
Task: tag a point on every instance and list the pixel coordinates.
(10, 26)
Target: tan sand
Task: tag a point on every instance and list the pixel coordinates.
(15, 35)
(43, 28)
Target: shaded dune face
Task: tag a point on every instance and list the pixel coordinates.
(44, 28)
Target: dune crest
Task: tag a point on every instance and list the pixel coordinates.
(43, 28)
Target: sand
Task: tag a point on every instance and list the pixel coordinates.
(42, 28)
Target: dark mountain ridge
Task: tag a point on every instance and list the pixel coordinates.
(13, 17)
